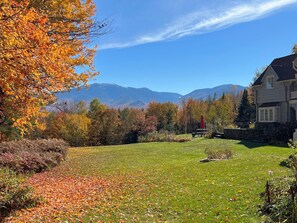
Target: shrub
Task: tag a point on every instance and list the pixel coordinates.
(32, 155)
(280, 195)
(163, 136)
(13, 193)
(221, 153)
(280, 203)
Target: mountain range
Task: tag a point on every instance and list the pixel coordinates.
(118, 97)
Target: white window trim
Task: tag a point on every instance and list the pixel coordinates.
(269, 114)
(270, 84)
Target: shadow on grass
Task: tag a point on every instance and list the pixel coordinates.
(253, 145)
(285, 163)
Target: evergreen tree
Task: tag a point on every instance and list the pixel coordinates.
(244, 111)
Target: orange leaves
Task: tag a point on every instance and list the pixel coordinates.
(64, 197)
(40, 47)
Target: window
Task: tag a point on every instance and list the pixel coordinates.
(266, 115)
(269, 82)
(262, 116)
(270, 114)
(276, 114)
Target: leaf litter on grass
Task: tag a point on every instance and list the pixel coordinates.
(65, 197)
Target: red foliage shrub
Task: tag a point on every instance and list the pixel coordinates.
(32, 155)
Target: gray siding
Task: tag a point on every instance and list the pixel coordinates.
(277, 94)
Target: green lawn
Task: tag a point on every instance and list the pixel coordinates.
(163, 182)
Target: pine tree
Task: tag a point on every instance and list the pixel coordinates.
(244, 111)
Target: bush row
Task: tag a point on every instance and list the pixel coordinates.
(163, 136)
(25, 156)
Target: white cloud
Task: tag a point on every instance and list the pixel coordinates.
(198, 23)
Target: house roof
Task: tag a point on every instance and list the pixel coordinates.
(283, 67)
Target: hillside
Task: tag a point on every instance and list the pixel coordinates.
(214, 92)
(117, 96)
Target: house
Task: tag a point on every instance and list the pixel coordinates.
(275, 92)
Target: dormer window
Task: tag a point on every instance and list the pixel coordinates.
(269, 82)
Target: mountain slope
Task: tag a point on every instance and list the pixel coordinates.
(118, 97)
(214, 92)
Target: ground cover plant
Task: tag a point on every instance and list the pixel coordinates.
(156, 182)
(13, 193)
(21, 157)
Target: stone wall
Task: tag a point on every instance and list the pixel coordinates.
(264, 132)
(242, 134)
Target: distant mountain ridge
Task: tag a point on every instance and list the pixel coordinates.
(118, 97)
(216, 91)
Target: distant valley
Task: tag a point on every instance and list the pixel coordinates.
(118, 97)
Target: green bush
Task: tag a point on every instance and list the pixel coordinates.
(32, 155)
(14, 194)
(221, 153)
(280, 195)
(163, 136)
(280, 203)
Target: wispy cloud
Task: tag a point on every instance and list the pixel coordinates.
(196, 23)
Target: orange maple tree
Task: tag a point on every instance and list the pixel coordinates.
(42, 42)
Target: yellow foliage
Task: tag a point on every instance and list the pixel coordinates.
(41, 44)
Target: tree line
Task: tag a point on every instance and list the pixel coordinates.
(98, 124)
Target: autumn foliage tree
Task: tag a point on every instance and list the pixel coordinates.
(166, 114)
(41, 44)
(190, 114)
(104, 127)
(135, 123)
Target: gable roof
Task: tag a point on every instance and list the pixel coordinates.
(283, 67)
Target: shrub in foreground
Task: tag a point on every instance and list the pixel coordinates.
(32, 155)
(218, 154)
(280, 195)
(13, 193)
(280, 203)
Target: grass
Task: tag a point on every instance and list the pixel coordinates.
(165, 182)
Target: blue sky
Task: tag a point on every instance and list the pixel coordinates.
(183, 45)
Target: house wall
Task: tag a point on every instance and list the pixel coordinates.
(276, 94)
(284, 107)
(279, 93)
